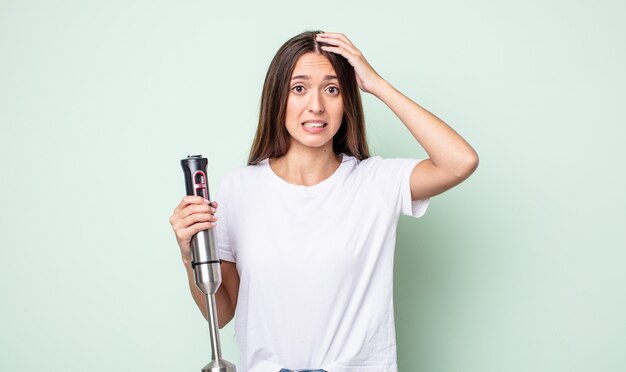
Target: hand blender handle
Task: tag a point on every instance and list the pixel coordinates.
(194, 168)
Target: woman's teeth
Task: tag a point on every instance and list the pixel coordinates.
(314, 125)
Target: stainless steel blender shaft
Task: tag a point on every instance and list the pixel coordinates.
(216, 347)
(217, 364)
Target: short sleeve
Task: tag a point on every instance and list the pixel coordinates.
(224, 242)
(391, 179)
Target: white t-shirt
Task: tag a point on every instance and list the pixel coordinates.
(316, 264)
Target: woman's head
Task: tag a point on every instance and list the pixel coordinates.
(272, 138)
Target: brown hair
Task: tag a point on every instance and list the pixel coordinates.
(271, 138)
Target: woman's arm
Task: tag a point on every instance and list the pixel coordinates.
(451, 158)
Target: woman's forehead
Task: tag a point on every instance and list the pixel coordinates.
(313, 64)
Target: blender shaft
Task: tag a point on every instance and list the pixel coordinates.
(216, 348)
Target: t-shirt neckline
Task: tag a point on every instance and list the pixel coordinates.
(307, 190)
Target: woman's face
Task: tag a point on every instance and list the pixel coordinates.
(314, 106)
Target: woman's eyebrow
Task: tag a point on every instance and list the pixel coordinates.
(307, 77)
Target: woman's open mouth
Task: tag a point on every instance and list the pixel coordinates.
(314, 126)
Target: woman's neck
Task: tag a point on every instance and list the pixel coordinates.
(305, 167)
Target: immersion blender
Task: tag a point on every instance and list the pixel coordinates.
(205, 261)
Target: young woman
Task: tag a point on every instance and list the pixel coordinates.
(306, 231)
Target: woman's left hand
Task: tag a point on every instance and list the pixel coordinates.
(367, 78)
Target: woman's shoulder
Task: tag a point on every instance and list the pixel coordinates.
(367, 163)
(239, 181)
(245, 172)
(385, 167)
(361, 168)
(374, 161)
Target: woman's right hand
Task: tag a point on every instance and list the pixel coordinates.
(192, 215)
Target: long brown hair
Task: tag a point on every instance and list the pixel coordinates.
(271, 138)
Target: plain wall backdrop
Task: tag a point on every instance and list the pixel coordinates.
(521, 268)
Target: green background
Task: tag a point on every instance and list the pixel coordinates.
(520, 268)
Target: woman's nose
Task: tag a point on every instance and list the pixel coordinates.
(316, 104)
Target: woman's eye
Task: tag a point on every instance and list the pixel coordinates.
(333, 90)
(298, 89)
